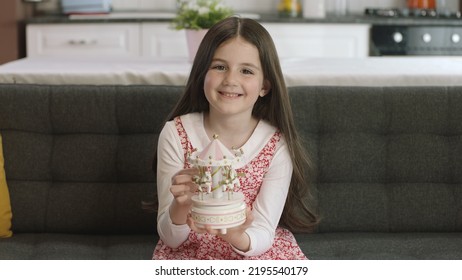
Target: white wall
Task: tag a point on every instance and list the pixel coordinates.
(260, 6)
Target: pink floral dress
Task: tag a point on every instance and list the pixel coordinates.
(207, 246)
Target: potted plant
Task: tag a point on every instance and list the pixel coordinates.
(196, 17)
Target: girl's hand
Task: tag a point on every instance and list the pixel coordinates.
(182, 189)
(235, 236)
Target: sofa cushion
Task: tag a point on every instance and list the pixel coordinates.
(5, 206)
(381, 246)
(55, 246)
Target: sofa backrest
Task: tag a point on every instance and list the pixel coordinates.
(389, 159)
(79, 158)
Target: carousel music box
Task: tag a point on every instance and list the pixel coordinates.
(217, 202)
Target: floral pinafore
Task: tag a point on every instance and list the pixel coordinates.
(207, 246)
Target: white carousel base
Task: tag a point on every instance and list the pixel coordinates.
(218, 213)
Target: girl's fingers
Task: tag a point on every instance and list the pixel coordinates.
(183, 189)
(184, 176)
(193, 226)
(182, 183)
(249, 218)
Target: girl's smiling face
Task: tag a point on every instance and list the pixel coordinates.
(234, 80)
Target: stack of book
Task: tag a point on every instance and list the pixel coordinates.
(86, 6)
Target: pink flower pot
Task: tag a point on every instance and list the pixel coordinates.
(193, 39)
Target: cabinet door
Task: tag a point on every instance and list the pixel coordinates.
(297, 40)
(161, 41)
(84, 39)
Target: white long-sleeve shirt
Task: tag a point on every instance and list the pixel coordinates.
(269, 203)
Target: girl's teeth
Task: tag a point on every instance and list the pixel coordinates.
(231, 94)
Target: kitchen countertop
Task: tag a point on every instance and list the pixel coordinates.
(371, 71)
(156, 16)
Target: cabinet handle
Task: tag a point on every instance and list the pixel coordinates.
(82, 42)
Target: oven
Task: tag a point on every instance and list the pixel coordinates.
(418, 32)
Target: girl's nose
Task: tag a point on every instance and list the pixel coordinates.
(230, 79)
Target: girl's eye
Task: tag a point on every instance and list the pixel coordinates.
(247, 71)
(219, 67)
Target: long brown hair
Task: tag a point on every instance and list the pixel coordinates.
(275, 107)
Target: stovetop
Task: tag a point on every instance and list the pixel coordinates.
(411, 13)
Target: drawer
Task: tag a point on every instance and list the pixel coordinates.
(83, 40)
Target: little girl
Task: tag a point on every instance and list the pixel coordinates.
(235, 90)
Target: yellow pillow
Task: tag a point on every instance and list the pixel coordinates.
(5, 207)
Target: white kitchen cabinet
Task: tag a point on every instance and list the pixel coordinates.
(158, 40)
(298, 40)
(83, 39)
(295, 40)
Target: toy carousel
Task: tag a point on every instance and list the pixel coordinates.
(217, 204)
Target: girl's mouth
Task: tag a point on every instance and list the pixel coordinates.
(230, 94)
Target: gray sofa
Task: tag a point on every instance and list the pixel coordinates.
(78, 162)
